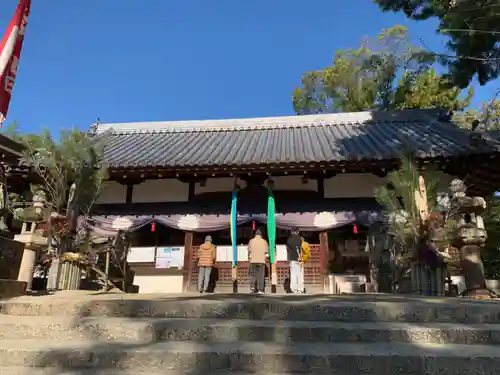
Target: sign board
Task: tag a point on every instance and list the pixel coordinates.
(348, 283)
(141, 254)
(242, 253)
(225, 253)
(167, 257)
(350, 278)
(281, 253)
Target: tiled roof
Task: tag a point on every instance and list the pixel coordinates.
(9, 146)
(285, 140)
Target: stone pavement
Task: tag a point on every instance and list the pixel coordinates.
(85, 333)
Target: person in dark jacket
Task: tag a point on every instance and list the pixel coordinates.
(294, 249)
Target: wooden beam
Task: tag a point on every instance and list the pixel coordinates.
(321, 186)
(191, 190)
(130, 193)
(323, 259)
(187, 269)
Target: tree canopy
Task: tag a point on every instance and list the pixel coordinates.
(397, 197)
(473, 31)
(70, 172)
(491, 252)
(488, 115)
(384, 73)
(74, 158)
(12, 131)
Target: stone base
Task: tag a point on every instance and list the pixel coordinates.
(480, 294)
(92, 333)
(12, 288)
(333, 308)
(236, 357)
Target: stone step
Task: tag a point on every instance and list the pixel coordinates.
(57, 371)
(357, 308)
(196, 359)
(150, 330)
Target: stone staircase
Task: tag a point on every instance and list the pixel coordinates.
(81, 334)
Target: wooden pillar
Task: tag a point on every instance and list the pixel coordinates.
(187, 270)
(129, 193)
(191, 191)
(323, 259)
(321, 186)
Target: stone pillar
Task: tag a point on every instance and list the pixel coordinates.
(32, 243)
(27, 266)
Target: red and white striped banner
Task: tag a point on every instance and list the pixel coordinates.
(10, 51)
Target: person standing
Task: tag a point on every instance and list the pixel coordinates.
(206, 259)
(294, 254)
(258, 251)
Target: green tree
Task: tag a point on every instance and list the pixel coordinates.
(487, 115)
(473, 31)
(70, 172)
(397, 198)
(385, 73)
(415, 217)
(12, 131)
(491, 252)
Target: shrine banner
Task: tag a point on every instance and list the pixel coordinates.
(271, 224)
(10, 52)
(233, 222)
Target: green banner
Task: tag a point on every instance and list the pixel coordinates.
(232, 226)
(271, 225)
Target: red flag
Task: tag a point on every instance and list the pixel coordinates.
(10, 51)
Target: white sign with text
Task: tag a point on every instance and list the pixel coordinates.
(171, 256)
(141, 254)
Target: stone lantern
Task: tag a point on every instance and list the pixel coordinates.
(33, 242)
(470, 237)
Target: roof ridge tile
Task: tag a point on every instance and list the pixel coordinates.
(332, 119)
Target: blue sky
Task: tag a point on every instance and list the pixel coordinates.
(154, 60)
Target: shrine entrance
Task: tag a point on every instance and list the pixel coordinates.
(221, 280)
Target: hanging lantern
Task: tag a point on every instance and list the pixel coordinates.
(355, 229)
(253, 225)
(153, 226)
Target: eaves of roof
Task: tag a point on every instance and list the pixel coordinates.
(287, 140)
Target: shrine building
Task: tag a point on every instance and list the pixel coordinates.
(171, 184)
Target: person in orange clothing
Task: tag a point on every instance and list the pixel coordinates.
(206, 259)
